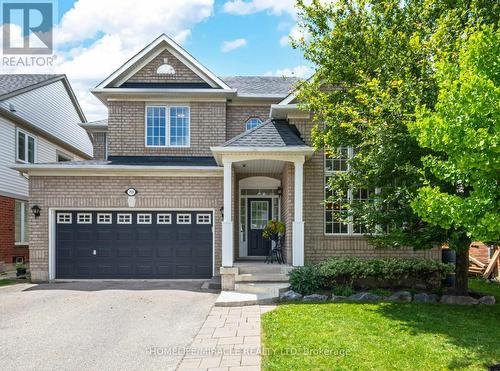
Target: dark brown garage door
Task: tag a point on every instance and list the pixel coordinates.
(138, 244)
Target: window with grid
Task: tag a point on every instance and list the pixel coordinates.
(124, 219)
(203, 219)
(64, 218)
(183, 218)
(144, 219)
(253, 122)
(167, 126)
(104, 219)
(337, 211)
(84, 218)
(164, 219)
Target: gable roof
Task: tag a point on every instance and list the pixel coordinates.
(99, 124)
(258, 86)
(152, 50)
(18, 83)
(269, 134)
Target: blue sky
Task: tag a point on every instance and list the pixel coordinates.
(231, 37)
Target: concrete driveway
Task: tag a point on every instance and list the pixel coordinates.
(99, 325)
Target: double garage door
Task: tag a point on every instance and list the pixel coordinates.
(138, 244)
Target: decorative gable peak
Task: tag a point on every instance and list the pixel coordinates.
(165, 68)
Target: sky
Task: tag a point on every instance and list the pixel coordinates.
(230, 37)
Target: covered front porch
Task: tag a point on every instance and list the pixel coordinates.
(263, 180)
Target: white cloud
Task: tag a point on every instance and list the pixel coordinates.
(228, 46)
(112, 31)
(278, 7)
(301, 71)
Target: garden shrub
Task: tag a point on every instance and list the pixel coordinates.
(342, 290)
(337, 273)
(305, 280)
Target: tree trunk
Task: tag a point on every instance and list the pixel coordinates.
(462, 272)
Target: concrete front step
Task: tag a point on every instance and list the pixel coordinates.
(269, 288)
(263, 268)
(239, 299)
(261, 277)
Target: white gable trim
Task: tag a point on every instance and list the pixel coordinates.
(172, 47)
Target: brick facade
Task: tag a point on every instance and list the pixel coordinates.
(99, 143)
(8, 248)
(148, 72)
(238, 115)
(126, 130)
(79, 192)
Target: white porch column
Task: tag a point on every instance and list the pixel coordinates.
(298, 222)
(227, 224)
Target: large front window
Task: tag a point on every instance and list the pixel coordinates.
(337, 215)
(167, 126)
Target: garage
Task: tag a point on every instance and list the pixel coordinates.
(133, 244)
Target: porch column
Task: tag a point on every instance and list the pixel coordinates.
(298, 222)
(227, 224)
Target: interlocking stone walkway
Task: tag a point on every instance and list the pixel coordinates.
(228, 340)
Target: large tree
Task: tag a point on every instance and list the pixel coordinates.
(375, 66)
(463, 131)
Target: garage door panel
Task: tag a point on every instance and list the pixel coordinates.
(133, 250)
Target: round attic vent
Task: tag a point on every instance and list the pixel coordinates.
(165, 68)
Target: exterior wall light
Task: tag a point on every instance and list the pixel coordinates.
(36, 211)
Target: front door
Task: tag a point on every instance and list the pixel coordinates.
(259, 213)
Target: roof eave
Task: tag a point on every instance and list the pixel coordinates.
(220, 152)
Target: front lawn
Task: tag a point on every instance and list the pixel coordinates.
(5, 282)
(383, 336)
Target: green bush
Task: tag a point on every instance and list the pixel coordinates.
(342, 290)
(305, 280)
(342, 273)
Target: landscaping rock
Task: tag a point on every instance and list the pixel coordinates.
(314, 298)
(338, 298)
(364, 296)
(425, 298)
(457, 299)
(400, 296)
(290, 295)
(487, 300)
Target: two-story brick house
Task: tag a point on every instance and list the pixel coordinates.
(196, 166)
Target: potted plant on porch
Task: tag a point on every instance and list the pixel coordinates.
(275, 231)
(20, 270)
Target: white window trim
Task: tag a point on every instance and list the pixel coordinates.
(200, 218)
(329, 173)
(149, 218)
(167, 125)
(105, 215)
(129, 216)
(169, 216)
(183, 215)
(35, 149)
(62, 154)
(61, 218)
(84, 215)
(24, 220)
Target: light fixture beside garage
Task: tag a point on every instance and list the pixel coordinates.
(36, 211)
(131, 193)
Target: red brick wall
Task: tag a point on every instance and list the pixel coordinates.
(480, 251)
(7, 238)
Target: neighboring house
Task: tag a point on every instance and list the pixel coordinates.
(39, 117)
(196, 166)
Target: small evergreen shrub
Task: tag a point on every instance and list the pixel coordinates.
(305, 280)
(342, 290)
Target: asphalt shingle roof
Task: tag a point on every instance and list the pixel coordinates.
(259, 85)
(98, 123)
(271, 133)
(9, 83)
(144, 161)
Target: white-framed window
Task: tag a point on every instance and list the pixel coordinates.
(62, 157)
(25, 147)
(21, 223)
(183, 218)
(203, 218)
(84, 218)
(252, 122)
(144, 219)
(124, 219)
(337, 212)
(167, 126)
(104, 218)
(164, 219)
(64, 218)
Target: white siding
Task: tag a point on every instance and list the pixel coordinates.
(12, 183)
(51, 109)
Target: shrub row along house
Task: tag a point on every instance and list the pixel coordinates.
(39, 117)
(189, 169)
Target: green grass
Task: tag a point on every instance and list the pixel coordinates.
(384, 336)
(6, 282)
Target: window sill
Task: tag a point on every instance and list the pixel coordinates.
(21, 244)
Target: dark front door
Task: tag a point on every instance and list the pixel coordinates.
(259, 213)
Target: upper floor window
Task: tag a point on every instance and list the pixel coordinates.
(253, 122)
(62, 157)
(167, 126)
(26, 147)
